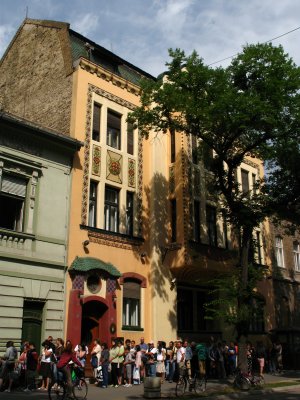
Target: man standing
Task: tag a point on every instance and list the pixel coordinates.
(144, 350)
(202, 356)
(180, 358)
(32, 358)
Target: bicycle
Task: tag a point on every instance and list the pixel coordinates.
(197, 383)
(57, 389)
(245, 381)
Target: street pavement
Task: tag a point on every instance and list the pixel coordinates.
(216, 390)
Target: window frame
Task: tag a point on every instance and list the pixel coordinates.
(129, 212)
(20, 202)
(211, 225)
(130, 139)
(296, 254)
(93, 201)
(172, 147)
(113, 129)
(108, 206)
(131, 309)
(96, 125)
(245, 183)
(173, 220)
(279, 251)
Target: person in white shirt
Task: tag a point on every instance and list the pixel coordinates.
(180, 357)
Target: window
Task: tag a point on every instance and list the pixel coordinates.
(130, 139)
(93, 204)
(245, 181)
(225, 230)
(197, 220)
(129, 213)
(12, 202)
(172, 139)
(113, 130)
(296, 251)
(208, 156)
(254, 184)
(255, 255)
(279, 252)
(185, 312)
(96, 122)
(258, 247)
(111, 209)
(173, 220)
(211, 222)
(131, 303)
(257, 324)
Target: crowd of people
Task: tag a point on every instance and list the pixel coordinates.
(127, 363)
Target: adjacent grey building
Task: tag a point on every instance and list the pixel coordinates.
(35, 181)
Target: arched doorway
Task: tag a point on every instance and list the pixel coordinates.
(94, 322)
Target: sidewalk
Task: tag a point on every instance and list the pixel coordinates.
(216, 390)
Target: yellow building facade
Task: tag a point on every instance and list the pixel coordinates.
(145, 236)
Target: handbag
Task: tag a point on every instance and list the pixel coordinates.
(136, 374)
(94, 361)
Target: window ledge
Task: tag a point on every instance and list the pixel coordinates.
(132, 328)
(103, 236)
(9, 235)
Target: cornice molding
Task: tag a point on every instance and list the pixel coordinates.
(108, 76)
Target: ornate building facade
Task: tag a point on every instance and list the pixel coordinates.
(145, 235)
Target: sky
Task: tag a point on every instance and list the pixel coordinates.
(142, 31)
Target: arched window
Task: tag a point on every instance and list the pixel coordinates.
(131, 303)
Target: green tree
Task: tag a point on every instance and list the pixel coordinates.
(249, 108)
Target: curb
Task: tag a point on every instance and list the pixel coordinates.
(241, 394)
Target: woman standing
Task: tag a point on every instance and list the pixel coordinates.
(137, 366)
(113, 358)
(170, 364)
(96, 352)
(160, 358)
(120, 361)
(45, 369)
(9, 360)
(104, 362)
(261, 355)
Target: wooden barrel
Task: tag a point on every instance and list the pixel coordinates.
(152, 388)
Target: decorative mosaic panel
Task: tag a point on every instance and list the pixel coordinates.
(171, 179)
(110, 285)
(96, 160)
(78, 282)
(131, 173)
(114, 162)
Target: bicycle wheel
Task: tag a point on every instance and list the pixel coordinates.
(260, 382)
(242, 383)
(57, 391)
(199, 385)
(180, 387)
(80, 389)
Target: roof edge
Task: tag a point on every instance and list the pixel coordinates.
(39, 22)
(74, 143)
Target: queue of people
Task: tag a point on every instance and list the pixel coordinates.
(130, 362)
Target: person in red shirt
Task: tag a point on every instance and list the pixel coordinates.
(66, 356)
